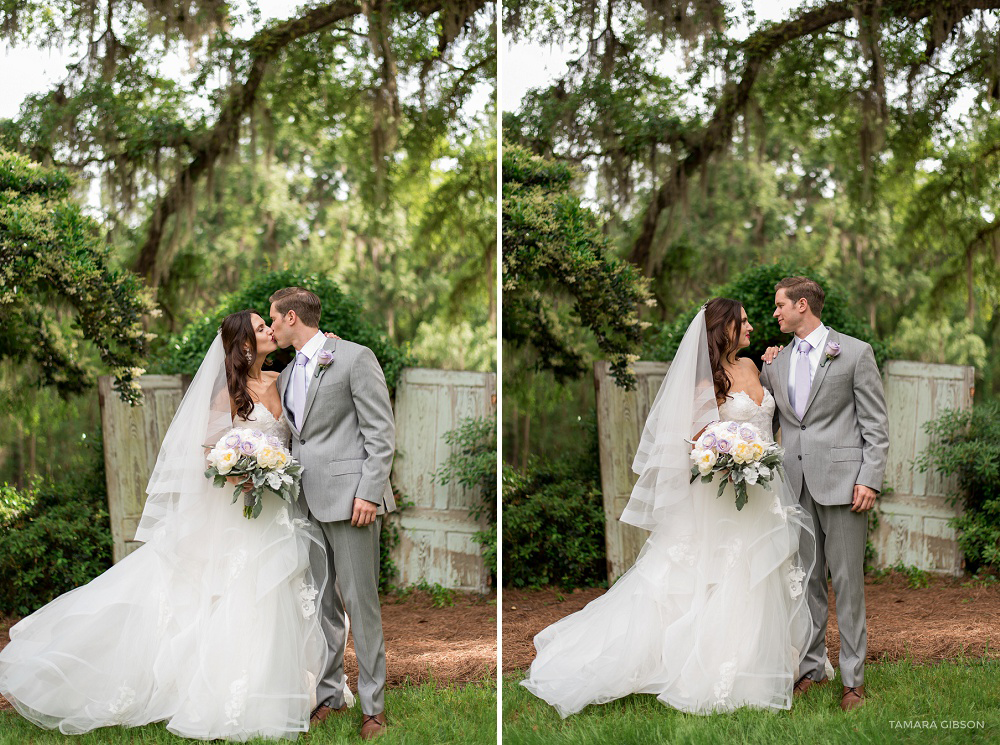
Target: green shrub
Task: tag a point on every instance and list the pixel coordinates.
(553, 520)
(754, 288)
(966, 444)
(473, 464)
(342, 314)
(53, 537)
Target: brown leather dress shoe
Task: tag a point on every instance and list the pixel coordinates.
(804, 683)
(373, 725)
(322, 712)
(853, 698)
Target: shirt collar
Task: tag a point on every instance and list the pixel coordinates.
(816, 337)
(311, 347)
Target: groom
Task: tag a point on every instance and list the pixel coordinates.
(832, 414)
(337, 405)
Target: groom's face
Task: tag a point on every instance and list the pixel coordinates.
(786, 313)
(280, 329)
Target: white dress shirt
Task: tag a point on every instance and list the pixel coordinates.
(311, 350)
(818, 341)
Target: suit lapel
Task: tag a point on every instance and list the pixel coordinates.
(282, 386)
(331, 346)
(781, 363)
(820, 371)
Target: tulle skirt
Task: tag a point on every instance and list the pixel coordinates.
(213, 628)
(711, 617)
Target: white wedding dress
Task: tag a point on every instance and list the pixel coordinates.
(712, 615)
(211, 626)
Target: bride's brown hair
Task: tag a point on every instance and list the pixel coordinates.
(238, 338)
(723, 319)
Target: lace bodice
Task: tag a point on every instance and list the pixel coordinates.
(742, 408)
(261, 418)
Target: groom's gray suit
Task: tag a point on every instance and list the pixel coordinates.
(345, 444)
(841, 440)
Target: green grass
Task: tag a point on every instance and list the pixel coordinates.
(961, 690)
(417, 714)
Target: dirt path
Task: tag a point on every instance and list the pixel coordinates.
(451, 645)
(932, 623)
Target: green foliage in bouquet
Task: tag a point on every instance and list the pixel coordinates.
(553, 519)
(966, 444)
(754, 288)
(473, 464)
(53, 537)
(54, 260)
(342, 314)
(560, 277)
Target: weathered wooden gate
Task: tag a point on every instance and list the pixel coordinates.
(912, 520)
(132, 437)
(436, 538)
(621, 415)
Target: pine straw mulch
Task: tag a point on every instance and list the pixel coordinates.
(446, 646)
(950, 618)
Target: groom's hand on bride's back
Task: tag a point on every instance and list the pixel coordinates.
(771, 353)
(364, 513)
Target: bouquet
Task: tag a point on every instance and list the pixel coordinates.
(739, 454)
(259, 460)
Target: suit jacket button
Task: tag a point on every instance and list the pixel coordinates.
(800, 457)
(303, 442)
(803, 426)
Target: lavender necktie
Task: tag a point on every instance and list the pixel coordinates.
(299, 388)
(803, 381)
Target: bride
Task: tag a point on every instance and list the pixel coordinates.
(712, 616)
(211, 625)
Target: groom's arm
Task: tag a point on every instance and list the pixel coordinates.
(371, 400)
(869, 402)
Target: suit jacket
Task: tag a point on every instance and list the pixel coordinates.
(842, 438)
(347, 436)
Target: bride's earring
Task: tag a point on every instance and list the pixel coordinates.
(249, 356)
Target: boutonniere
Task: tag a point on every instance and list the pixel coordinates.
(325, 359)
(832, 352)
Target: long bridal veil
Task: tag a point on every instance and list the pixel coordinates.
(712, 614)
(684, 404)
(212, 625)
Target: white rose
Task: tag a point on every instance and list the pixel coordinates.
(705, 460)
(742, 452)
(750, 475)
(225, 461)
(267, 456)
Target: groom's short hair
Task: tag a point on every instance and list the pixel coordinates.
(797, 288)
(305, 304)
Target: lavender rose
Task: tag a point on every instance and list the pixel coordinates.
(832, 351)
(723, 445)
